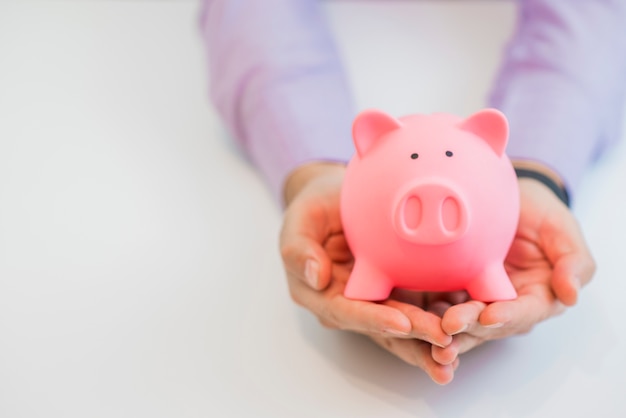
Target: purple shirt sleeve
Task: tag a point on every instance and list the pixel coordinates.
(562, 83)
(277, 81)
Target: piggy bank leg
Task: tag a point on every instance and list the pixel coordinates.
(491, 285)
(367, 283)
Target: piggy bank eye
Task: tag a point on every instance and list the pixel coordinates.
(414, 156)
(449, 154)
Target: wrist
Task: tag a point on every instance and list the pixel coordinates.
(303, 174)
(541, 173)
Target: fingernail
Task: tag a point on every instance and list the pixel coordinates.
(433, 342)
(493, 326)
(462, 329)
(311, 272)
(395, 332)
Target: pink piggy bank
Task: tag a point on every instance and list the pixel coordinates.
(430, 203)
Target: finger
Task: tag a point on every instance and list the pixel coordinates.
(305, 228)
(338, 249)
(305, 260)
(570, 273)
(435, 302)
(452, 298)
(438, 307)
(418, 353)
(462, 317)
(421, 299)
(462, 321)
(573, 264)
(408, 296)
(425, 325)
(360, 316)
(439, 303)
(369, 318)
(533, 305)
(462, 343)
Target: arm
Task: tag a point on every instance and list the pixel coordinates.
(278, 84)
(562, 86)
(277, 81)
(562, 83)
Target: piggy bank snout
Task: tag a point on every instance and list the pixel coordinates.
(431, 213)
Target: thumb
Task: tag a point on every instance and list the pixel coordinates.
(570, 273)
(305, 259)
(573, 264)
(302, 237)
(311, 218)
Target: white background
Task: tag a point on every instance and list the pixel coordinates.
(139, 269)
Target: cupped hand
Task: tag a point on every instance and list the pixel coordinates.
(548, 263)
(318, 262)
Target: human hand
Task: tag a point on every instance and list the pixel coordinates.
(318, 262)
(548, 263)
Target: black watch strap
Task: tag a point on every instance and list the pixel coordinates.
(559, 191)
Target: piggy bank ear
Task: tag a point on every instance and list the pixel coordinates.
(491, 125)
(370, 125)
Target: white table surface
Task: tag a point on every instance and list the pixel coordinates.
(139, 270)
